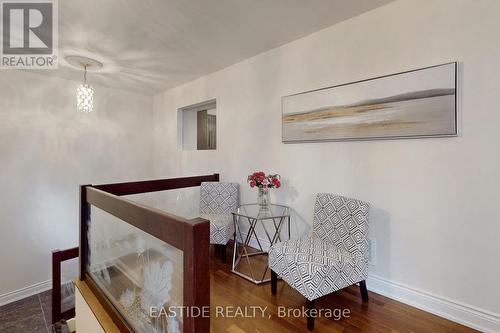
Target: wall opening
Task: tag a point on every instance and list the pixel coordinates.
(197, 126)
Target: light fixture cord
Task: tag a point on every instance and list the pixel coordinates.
(85, 73)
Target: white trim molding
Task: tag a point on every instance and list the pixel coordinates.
(440, 306)
(34, 289)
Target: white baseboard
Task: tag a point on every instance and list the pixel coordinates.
(440, 306)
(25, 292)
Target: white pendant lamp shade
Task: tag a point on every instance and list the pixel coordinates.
(84, 93)
(85, 98)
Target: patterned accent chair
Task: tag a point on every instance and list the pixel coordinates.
(334, 257)
(217, 201)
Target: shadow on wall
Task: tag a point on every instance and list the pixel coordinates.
(380, 236)
(287, 195)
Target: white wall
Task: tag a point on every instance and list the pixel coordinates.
(46, 150)
(434, 213)
(189, 120)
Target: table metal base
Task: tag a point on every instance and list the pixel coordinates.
(272, 237)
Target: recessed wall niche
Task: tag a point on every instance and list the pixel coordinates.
(197, 126)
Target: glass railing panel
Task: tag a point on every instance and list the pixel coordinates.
(183, 202)
(69, 271)
(139, 274)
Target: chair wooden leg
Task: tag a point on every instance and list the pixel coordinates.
(274, 282)
(364, 291)
(223, 253)
(310, 319)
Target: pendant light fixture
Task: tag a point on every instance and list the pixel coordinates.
(85, 95)
(85, 92)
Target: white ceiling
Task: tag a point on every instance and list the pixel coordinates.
(153, 45)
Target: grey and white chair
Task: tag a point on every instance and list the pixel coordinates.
(334, 257)
(217, 201)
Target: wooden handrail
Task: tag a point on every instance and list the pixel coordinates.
(156, 185)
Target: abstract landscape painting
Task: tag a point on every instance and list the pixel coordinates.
(417, 103)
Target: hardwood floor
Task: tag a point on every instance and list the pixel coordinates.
(231, 292)
(380, 314)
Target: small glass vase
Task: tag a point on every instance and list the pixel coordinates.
(263, 198)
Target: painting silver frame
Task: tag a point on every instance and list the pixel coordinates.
(392, 137)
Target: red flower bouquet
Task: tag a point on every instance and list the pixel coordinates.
(261, 180)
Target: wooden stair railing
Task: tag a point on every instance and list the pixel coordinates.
(58, 256)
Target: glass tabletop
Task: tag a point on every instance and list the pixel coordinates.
(255, 211)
